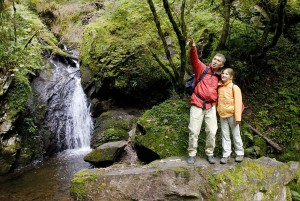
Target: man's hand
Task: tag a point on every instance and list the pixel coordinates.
(191, 42)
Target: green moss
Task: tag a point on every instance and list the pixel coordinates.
(116, 122)
(82, 179)
(114, 47)
(113, 134)
(182, 172)
(110, 127)
(19, 94)
(250, 176)
(166, 128)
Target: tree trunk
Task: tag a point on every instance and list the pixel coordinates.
(270, 142)
(173, 76)
(264, 48)
(226, 26)
(177, 74)
(181, 37)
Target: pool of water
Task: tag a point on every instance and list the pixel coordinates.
(48, 180)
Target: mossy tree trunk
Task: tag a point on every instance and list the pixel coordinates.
(1, 8)
(276, 23)
(278, 30)
(226, 26)
(176, 73)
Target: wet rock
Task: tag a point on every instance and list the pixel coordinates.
(8, 153)
(106, 154)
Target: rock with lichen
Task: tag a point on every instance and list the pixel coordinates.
(173, 179)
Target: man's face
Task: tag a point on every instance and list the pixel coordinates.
(217, 62)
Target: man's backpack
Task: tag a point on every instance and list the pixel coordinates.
(189, 84)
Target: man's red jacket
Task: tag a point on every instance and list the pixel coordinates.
(206, 92)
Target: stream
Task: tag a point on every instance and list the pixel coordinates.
(48, 180)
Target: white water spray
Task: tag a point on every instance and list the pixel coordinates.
(79, 123)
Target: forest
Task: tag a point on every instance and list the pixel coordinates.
(136, 53)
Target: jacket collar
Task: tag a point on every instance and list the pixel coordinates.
(225, 83)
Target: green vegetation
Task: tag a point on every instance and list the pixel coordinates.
(110, 127)
(114, 47)
(295, 187)
(117, 42)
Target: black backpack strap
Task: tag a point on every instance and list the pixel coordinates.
(198, 96)
(201, 77)
(204, 101)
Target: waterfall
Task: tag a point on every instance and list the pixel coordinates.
(79, 123)
(67, 114)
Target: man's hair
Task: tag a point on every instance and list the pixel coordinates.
(222, 56)
(230, 71)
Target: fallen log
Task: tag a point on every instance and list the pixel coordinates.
(270, 142)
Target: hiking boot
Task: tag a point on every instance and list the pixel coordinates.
(191, 160)
(239, 158)
(211, 159)
(224, 160)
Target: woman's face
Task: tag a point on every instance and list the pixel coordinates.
(225, 76)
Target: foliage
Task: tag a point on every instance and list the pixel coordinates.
(66, 18)
(23, 41)
(20, 59)
(276, 104)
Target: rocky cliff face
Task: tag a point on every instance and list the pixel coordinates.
(173, 179)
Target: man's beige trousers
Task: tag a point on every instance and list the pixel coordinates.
(211, 126)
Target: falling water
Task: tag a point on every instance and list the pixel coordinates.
(68, 113)
(79, 122)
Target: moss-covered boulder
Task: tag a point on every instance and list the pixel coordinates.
(79, 182)
(164, 129)
(260, 179)
(67, 19)
(113, 125)
(106, 154)
(116, 62)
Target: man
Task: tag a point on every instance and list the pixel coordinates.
(203, 104)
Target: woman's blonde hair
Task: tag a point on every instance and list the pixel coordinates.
(230, 71)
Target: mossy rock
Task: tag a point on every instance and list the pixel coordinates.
(114, 53)
(81, 180)
(8, 153)
(106, 154)
(250, 177)
(165, 129)
(112, 126)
